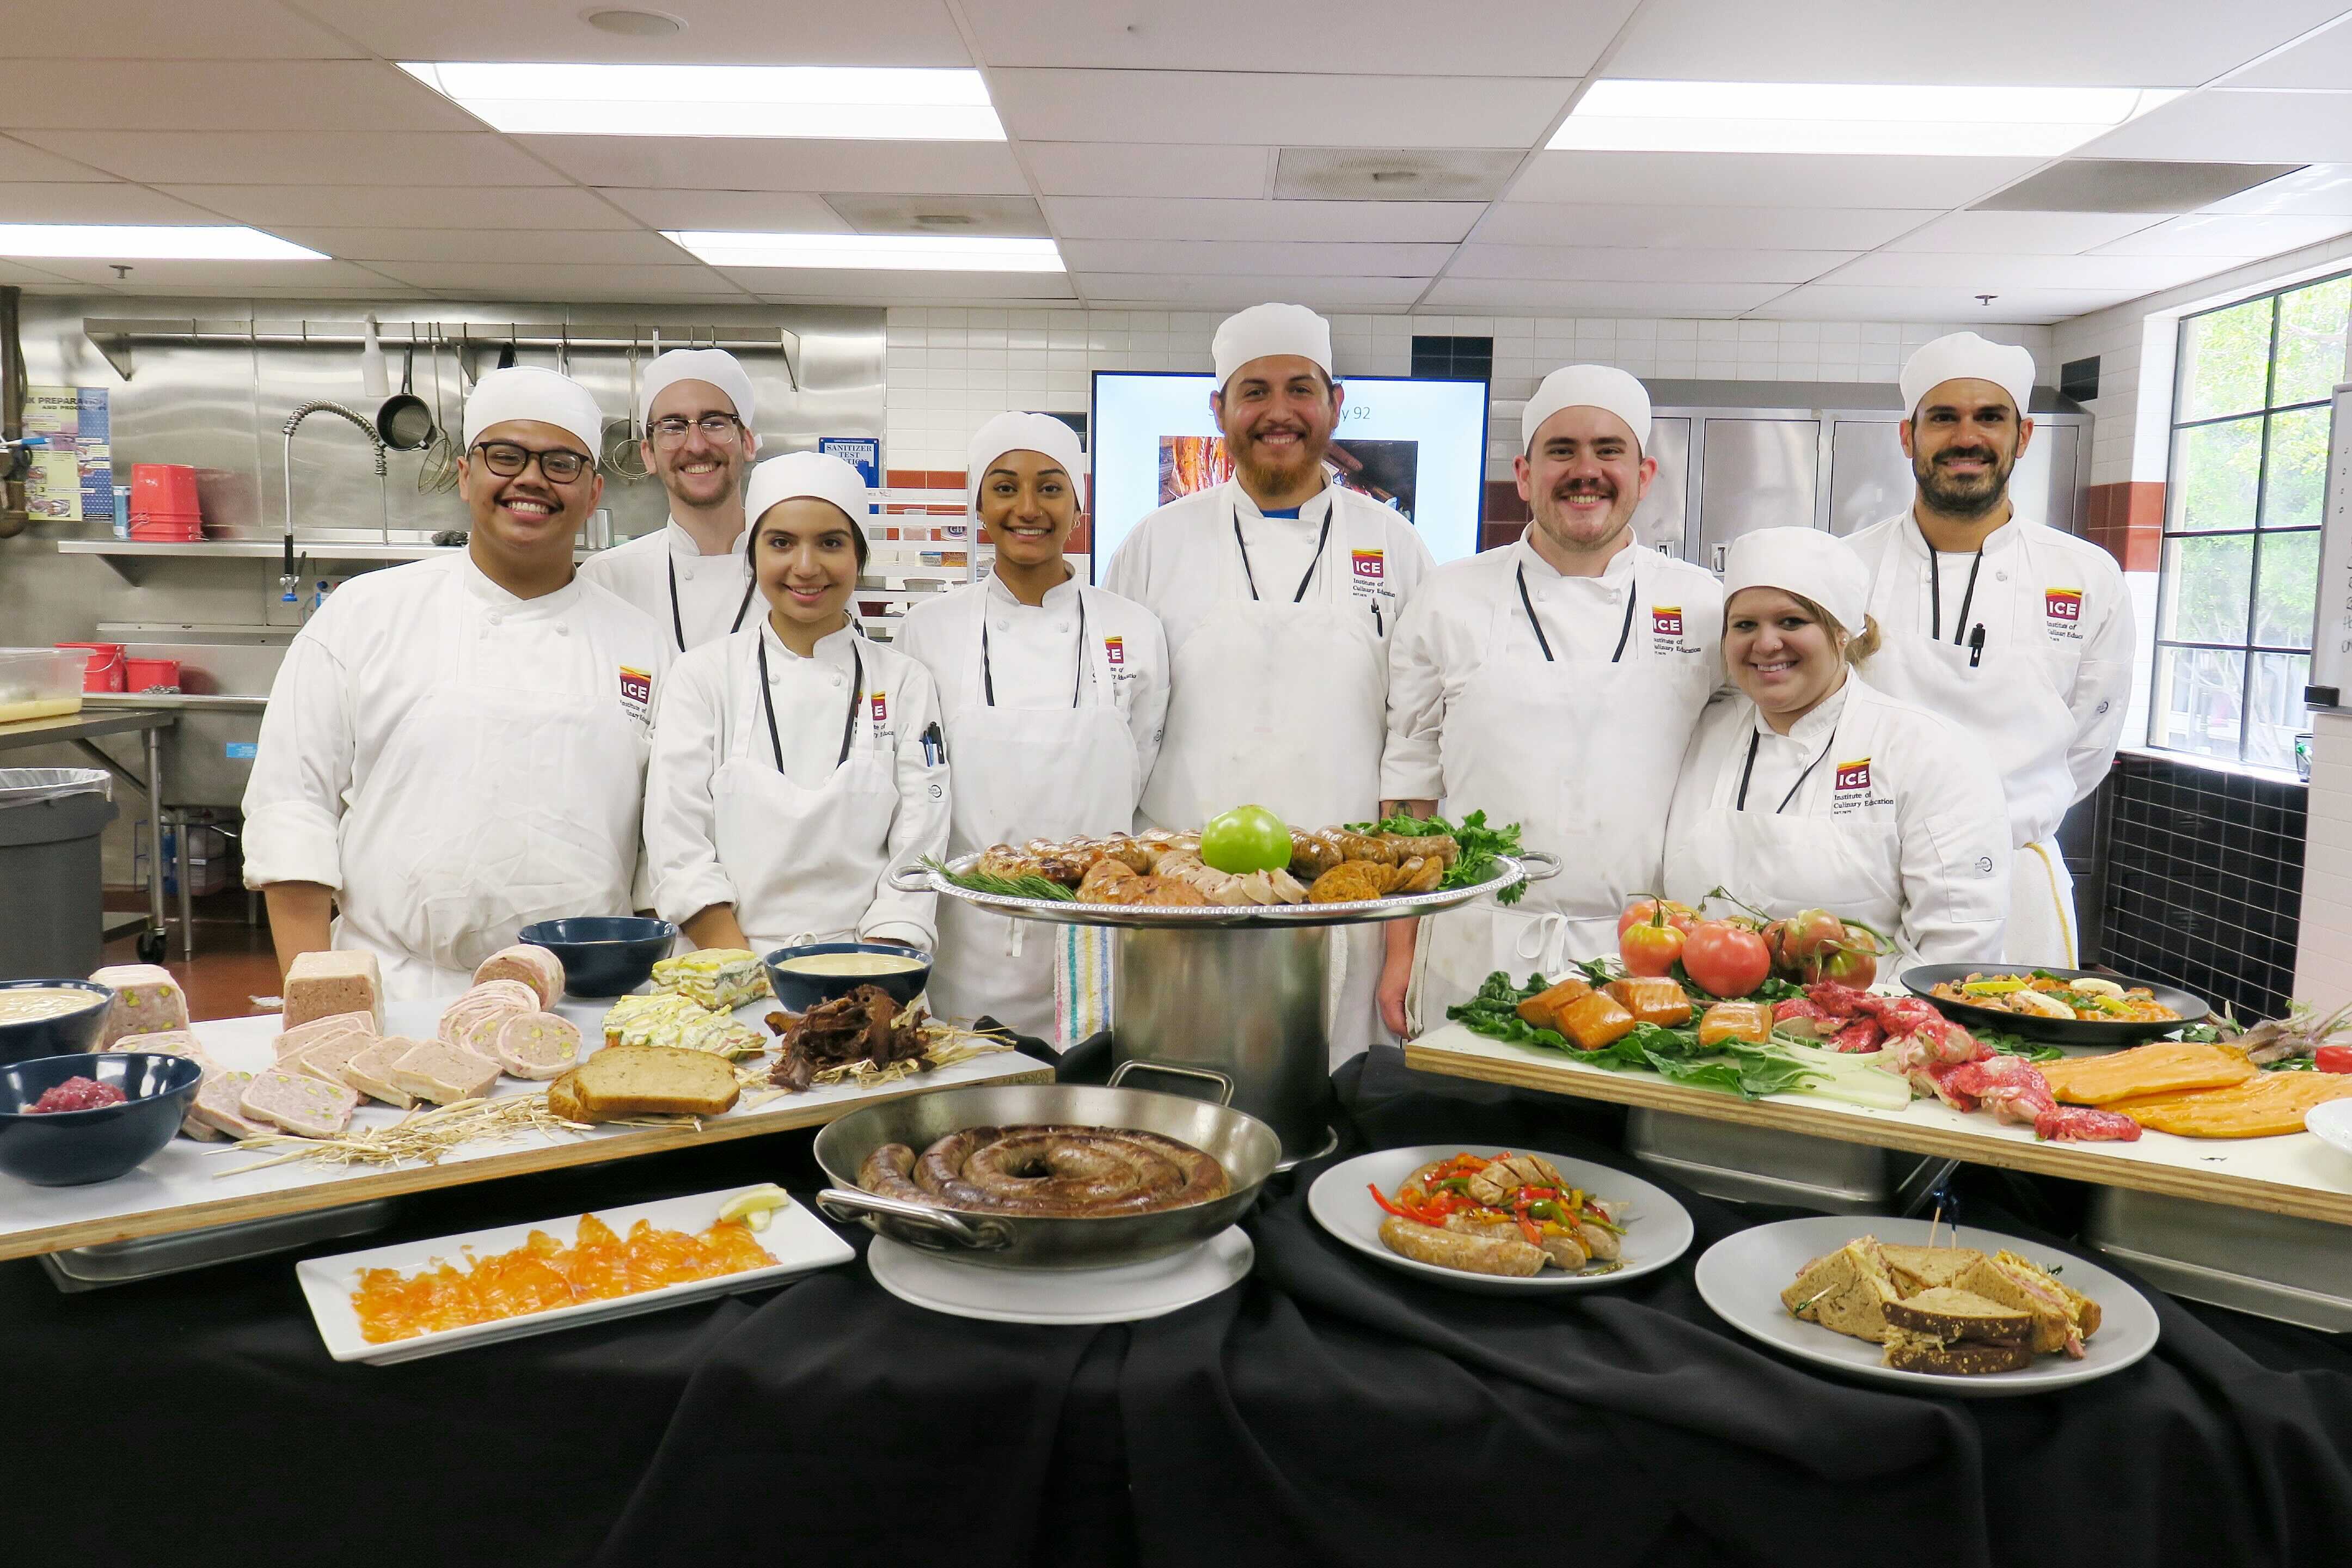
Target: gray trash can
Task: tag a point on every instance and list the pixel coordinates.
(52, 915)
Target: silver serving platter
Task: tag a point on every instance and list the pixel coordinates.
(1532, 866)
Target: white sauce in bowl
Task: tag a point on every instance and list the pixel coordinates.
(851, 963)
(27, 1003)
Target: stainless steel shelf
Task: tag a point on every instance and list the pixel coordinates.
(124, 555)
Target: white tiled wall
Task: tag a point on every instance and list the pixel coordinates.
(949, 370)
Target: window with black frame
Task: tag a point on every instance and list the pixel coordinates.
(2247, 477)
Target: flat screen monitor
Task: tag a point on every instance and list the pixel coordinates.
(1417, 444)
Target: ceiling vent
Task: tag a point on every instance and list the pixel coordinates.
(2130, 185)
(1008, 216)
(1401, 175)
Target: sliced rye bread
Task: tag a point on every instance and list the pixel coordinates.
(1908, 1351)
(1916, 1268)
(2053, 1325)
(622, 1081)
(1950, 1313)
(1845, 1291)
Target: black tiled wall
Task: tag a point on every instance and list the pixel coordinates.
(2204, 881)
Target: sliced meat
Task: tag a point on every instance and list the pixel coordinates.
(537, 1045)
(491, 998)
(305, 1106)
(443, 1073)
(2080, 1124)
(326, 1059)
(369, 1071)
(219, 1104)
(305, 1034)
(534, 966)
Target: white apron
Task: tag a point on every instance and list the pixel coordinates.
(1023, 773)
(804, 862)
(1584, 756)
(1786, 860)
(490, 807)
(1281, 701)
(2004, 693)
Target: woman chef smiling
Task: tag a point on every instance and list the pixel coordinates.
(1053, 692)
(796, 763)
(1815, 791)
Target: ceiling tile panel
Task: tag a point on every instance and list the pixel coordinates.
(2081, 43)
(20, 162)
(1148, 169)
(556, 280)
(1637, 264)
(1254, 109)
(110, 201)
(517, 243)
(1832, 302)
(769, 212)
(818, 285)
(1496, 36)
(221, 95)
(2225, 126)
(1521, 296)
(318, 157)
(731, 163)
(2323, 190)
(2321, 61)
(1263, 257)
(2228, 235)
(1232, 293)
(1762, 228)
(18, 272)
(1978, 273)
(1135, 217)
(162, 277)
(180, 30)
(406, 207)
(735, 32)
(1760, 179)
(2022, 233)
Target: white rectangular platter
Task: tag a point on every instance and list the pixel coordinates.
(191, 1186)
(2292, 1175)
(797, 1239)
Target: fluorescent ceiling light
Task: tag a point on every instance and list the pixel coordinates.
(142, 242)
(886, 252)
(837, 102)
(1832, 116)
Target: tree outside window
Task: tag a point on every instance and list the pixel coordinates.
(2241, 566)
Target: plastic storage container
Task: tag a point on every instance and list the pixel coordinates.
(40, 682)
(103, 669)
(53, 922)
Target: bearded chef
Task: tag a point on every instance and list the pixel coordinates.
(1810, 789)
(2020, 634)
(796, 765)
(457, 747)
(1279, 591)
(691, 575)
(1553, 684)
(1053, 694)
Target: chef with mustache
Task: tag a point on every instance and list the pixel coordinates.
(2019, 634)
(691, 575)
(1554, 684)
(457, 747)
(1279, 592)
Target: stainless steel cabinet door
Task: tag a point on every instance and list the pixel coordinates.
(1753, 473)
(2046, 484)
(1660, 521)
(1870, 478)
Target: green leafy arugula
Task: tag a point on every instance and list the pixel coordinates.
(1479, 844)
(2018, 1046)
(1748, 1070)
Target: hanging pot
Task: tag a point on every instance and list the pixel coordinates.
(406, 421)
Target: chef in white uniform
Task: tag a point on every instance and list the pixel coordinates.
(457, 747)
(2020, 634)
(692, 574)
(795, 763)
(1279, 591)
(1053, 693)
(1553, 684)
(1810, 789)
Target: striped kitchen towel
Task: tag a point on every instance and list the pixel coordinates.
(1081, 982)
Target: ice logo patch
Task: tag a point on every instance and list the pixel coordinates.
(1666, 620)
(1854, 775)
(1369, 564)
(636, 692)
(1115, 650)
(2063, 604)
(881, 701)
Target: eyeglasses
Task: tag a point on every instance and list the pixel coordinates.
(560, 465)
(717, 428)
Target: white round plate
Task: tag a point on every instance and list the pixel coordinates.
(2333, 1122)
(1658, 1230)
(1062, 1296)
(1742, 1276)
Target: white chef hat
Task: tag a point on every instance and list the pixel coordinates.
(1588, 385)
(1264, 330)
(796, 474)
(716, 366)
(527, 392)
(1964, 354)
(1021, 433)
(1805, 561)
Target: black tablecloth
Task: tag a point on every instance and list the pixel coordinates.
(1328, 1411)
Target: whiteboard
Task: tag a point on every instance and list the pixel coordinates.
(2331, 632)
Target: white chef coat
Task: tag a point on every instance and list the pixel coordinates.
(1053, 721)
(1567, 710)
(2047, 696)
(712, 715)
(456, 762)
(1277, 632)
(1870, 808)
(712, 594)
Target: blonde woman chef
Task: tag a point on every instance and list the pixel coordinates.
(1053, 693)
(796, 765)
(1813, 789)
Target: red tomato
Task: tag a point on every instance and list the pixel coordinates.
(1725, 958)
(1650, 951)
(2333, 1059)
(1682, 917)
(1814, 945)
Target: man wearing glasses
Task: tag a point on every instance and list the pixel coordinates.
(457, 747)
(691, 575)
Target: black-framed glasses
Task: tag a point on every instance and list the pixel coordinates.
(558, 465)
(718, 429)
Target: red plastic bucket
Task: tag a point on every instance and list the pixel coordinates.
(104, 671)
(146, 674)
(164, 488)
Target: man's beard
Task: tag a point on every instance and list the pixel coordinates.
(1554, 512)
(1270, 478)
(1967, 498)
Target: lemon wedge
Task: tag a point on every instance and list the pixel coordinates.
(753, 1208)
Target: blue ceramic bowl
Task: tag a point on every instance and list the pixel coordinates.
(65, 1033)
(798, 992)
(72, 1148)
(604, 955)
